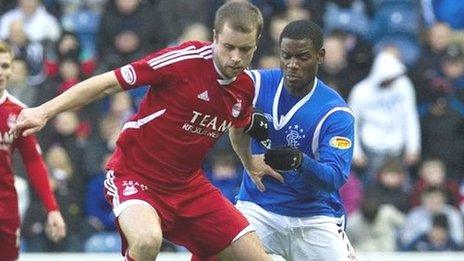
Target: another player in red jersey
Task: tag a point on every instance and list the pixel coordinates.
(154, 180)
(10, 107)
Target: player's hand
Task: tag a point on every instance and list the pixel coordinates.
(258, 128)
(283, 159)
(55, 227)
(29, 121)
(258, 169)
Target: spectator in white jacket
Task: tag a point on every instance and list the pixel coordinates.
(387, 120)
(39, 25)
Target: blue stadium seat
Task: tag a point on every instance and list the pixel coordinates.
(408, 46)
(85, 23)
(103, 242)
(353, 19)
(379, 4)
(396, 19)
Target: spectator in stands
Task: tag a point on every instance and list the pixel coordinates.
(180, 14)
(391, 186)
(18, 85)
(439, 37)
(374, 226)
(335, 70)
(387, 119)
(69, 46)
(39, 25)
(433, 173)
(127, 32)
(226, 175)
(438, 238)
(442, 103)
(419, 219)
(195, 31)
(30, 51)
(449, 11)
(352, 193)
(64, 187)
(98, 212)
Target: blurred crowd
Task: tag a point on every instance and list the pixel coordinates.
(398, 63)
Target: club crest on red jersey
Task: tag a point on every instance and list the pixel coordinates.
(11, 120)
(236, 109)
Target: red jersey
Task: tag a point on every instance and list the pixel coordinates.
(10, 107)
(188, 107)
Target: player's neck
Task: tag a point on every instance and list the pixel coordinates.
(302, 91)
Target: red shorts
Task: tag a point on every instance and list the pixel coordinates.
(197, 216)
(9, 238)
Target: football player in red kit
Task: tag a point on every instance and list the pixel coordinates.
(10, 107)
(198, 91)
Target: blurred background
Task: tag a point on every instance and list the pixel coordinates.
(406, 190)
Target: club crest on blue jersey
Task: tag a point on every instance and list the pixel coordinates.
(294, 135)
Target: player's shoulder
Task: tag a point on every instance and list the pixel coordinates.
(182, 49)
(267, 76)
(267, 73)
(330, 93)
(179, 54)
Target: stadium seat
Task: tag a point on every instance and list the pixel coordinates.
(408, 46)
(396, 19)
(379, 4)
(103, 242)
(352, 19)
(85, 23)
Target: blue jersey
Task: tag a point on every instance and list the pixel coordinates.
(321, 125)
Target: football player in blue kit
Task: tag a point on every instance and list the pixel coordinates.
(311, 133)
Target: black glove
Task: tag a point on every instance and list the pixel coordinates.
(284, 158)
(258, 127)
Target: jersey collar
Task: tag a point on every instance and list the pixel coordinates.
(222, 79)
(280, 122)
(3, 97)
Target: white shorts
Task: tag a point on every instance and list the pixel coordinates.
(309, 238)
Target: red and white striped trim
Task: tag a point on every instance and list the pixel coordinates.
(139, 123)
(180, 55)
(111, 187)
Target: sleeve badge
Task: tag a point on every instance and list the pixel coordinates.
(342, 143)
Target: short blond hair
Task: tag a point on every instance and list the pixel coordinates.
(5, 48)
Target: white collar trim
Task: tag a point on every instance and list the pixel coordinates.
(224, 80)
(279, 123)
(3, 97)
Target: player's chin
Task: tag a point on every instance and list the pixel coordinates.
(293, 84)
(233, 71)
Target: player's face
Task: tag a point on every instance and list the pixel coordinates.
(299, 61)
(233, 50)
(5, 70)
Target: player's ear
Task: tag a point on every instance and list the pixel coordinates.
(214, 36)
(321, 56)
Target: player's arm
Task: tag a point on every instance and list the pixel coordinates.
(331, 170)
(38, 177)
(31, 120)
(254, 165)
